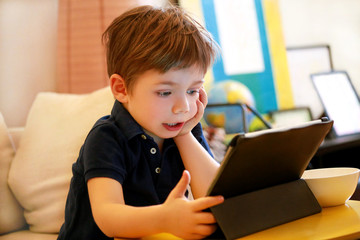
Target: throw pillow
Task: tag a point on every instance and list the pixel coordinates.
(55, 130)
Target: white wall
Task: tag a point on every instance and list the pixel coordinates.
(27, 54)
(28, 44)
(28, 34)
(333, 22)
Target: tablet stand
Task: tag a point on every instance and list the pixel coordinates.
(255, 211)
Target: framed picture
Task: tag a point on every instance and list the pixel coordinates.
(288, 117)
(231, 117)
(234, 117)
(302, 62)
(340, 101)
(253, 52)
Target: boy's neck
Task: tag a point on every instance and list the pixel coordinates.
(157, 139)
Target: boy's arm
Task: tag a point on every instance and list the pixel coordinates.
(198, 162)
(196, 159)
(177, 215)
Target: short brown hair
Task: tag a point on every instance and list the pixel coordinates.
(147, 38)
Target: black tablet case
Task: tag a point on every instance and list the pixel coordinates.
(260, 178)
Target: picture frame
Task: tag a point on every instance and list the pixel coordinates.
(287, 117)
(302, 62)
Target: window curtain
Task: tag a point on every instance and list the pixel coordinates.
(81, 64)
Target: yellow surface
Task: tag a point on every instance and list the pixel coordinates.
(341, 222)
(278, 54)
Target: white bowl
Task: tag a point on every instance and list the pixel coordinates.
(332, 186)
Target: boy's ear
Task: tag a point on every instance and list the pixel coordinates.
(118, 88)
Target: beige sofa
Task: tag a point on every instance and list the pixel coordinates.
(35, 162)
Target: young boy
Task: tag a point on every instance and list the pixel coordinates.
(133, 170)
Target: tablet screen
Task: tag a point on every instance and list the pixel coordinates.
(340, 101)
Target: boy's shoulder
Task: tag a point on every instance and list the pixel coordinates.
(104, 126)
(122, 128)
(103, 122)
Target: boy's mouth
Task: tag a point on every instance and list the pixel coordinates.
(173, 126)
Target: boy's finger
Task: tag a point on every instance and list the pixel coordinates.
(207, 202)
(201, 108)
(205, 218)
(203, 96)
(206, 229)
(180, 188)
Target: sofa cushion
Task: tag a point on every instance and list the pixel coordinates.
(11, 213)
(28, 235)
(55, 129)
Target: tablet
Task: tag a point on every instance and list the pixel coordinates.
(340, 101)
(266, 158)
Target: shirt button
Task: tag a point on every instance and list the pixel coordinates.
(158, 170)
(143, 137)
(153, 150)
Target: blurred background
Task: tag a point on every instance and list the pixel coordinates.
(55, 45)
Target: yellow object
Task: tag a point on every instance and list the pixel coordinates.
(216, 120)
(256, 124)
(277, 49)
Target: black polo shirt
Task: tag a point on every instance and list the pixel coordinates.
(118, 148)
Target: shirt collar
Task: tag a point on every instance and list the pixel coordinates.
(125, 121)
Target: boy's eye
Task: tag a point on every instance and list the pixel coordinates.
(164, 94)
(192, 91)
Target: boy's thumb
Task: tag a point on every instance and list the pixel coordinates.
(180, 188)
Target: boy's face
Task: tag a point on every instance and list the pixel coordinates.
(162, 103)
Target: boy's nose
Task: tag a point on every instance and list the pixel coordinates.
(181, 105)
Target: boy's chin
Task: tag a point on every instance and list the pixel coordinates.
(164, 134)
(168, 136)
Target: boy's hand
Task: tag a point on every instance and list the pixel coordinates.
(201, 104)
(185, 218)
